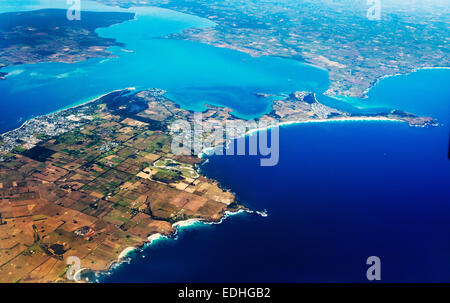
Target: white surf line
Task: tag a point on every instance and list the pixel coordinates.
(67, 108)
(206, 151)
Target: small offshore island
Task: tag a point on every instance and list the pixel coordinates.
(93, 181)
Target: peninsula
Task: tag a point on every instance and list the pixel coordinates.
(335, 35)
(94, 180)
(47, 36)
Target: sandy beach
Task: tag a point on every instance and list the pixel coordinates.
(366, 91)
(125, 252)
(207, 151)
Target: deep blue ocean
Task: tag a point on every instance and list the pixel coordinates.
(341, 192)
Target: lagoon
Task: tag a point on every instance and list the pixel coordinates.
(193, 74)
(342, 191)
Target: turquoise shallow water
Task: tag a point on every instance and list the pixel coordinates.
(342, 191)
(193, 74)
(424, 92)
(27, 5)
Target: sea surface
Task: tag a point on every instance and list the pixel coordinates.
(193, 74)
(342, 191)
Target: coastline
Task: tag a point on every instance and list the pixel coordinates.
(125, 255)
(367, 90)
(151, 239)
(70, 107)
(121, 258)
(97, 98)
(206, 151)
(83, 103)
